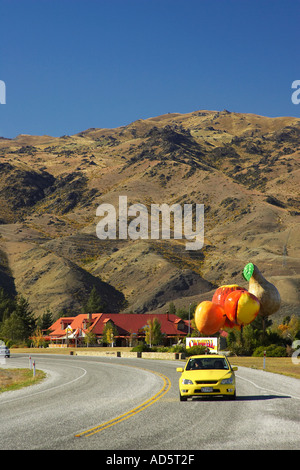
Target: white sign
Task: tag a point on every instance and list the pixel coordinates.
(210, 343)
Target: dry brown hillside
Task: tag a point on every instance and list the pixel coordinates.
(244, 168)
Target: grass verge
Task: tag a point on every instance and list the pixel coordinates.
(13, 379)
(278, 365)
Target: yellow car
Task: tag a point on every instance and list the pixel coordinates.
(207, 375)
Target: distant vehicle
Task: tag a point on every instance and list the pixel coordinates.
(4, 351)
(207, 375)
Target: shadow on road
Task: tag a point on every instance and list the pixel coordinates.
(259, 397)
(241, 398)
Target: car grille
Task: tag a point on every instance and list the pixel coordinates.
(206, 382)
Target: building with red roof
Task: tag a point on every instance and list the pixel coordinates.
(127, 327)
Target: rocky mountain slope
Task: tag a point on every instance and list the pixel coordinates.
(244, 168)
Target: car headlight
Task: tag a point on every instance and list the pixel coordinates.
(187, 382)
(230, 380)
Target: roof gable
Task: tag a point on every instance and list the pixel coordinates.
(79, 322)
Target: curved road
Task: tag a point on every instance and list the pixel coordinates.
(133, 404)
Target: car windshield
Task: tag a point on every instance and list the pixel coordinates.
(207, 363)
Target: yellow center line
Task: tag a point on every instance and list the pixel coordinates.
(134, 411)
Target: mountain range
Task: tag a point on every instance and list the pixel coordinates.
(244, 168)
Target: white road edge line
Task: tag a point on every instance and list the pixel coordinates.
(268, 390)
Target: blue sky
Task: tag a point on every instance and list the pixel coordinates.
(70, 64)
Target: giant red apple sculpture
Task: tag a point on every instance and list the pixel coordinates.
(221, 293)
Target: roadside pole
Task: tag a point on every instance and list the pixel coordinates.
(33, 368)
(264, 366)
(30, 363)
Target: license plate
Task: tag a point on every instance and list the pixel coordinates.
(207, 389)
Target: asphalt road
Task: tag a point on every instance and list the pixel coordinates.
(91, 403)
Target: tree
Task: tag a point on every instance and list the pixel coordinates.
(22, 309)
(182, 313)
(289, 328)
(172, 308)
(45, 321)
(94, 303)
(109, 332)
(185, 312)
(38, 338)
(18, 322)
(7, 305)
(195, 333)
(153, 332)
(13, 328)
(90, 338)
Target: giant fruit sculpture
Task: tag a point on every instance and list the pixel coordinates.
(209, 317)
(234, 306)
(221, 293)
(241, 307)
(266, 293)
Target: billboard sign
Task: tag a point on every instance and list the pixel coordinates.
(210, 343)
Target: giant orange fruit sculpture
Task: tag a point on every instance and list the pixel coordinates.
(209, 317)
(241, 307)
